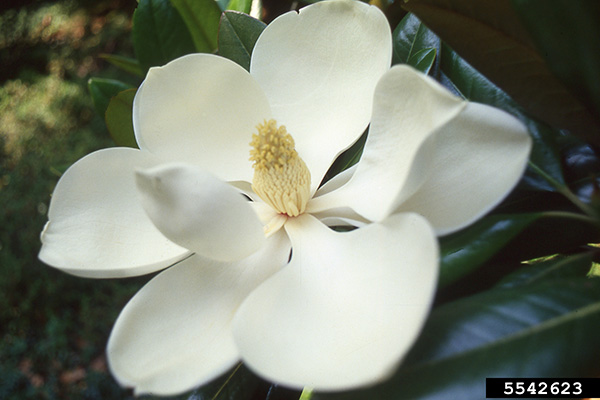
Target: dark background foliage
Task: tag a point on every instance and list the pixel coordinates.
(54, 327)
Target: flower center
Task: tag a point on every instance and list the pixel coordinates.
(281, 178)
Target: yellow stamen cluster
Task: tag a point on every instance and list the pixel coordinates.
(281, 178)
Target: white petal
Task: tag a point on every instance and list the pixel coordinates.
(319, 69)
(407, 109)
(346, 309)
(272, 220)
(175, 333)
(201, 109)
(245, 188)
(97, 227)
(340, 216)
(480, 157)
(200, 212)
(337, 181)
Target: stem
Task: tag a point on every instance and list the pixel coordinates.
(306, 394)
(226, 382)
(571, 215)
(565, 191)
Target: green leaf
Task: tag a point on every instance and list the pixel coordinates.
(222, 4)
(594, 272)
(347, 159)
(238, 34)
(581, 160)
(240, 5)
(553, 233)
(202, 20)
(119, 120)
(423, 60)
(159, 34)
(410, 37)
(489, 35)
(571, 52)
(487, 249)
(102, 90)
(470, 84)
(127, 64)
(468, 249)
(545, 329)
(556, 267)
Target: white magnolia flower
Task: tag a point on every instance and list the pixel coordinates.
(267, 281)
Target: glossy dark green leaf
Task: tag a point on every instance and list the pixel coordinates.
(581, 160)
(553, 233)
(482, 253)
(159, 33)
(587, 190)
(347, 159)
(410, 37)
(555, 267)
(468, 249)
(543, 329)
(202, 20)
(118, 118)
(490, 36)
(127, 64)
(475, 87)
(423, 60)
(571, 51)
(102, 90)
(238, 33)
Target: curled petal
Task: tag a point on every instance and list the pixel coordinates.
(97, 227)
(272, 220)
(319, 68)
(200, 212)
(341, 217)
(336, 181)
(479, 158)
(175, 333)
(201, 109)
(346, 309)
(408, 108)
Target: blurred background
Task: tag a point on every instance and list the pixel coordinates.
(54, 327)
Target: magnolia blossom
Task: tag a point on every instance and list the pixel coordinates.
(255, 271)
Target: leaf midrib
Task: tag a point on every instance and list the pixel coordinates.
(535, 329)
